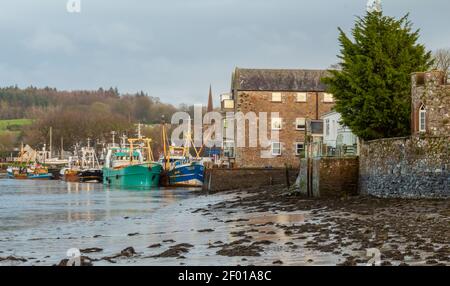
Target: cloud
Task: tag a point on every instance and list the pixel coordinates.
(174, 49)
(46, 41)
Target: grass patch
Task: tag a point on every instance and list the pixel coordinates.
(13, 125)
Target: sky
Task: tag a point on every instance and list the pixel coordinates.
(174, 49)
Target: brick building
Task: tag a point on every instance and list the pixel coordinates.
(298, 96)
(430, 104)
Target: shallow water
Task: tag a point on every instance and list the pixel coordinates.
(41, 220)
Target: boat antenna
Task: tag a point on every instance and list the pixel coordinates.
(139, 131)
(113, 133)
(124, 139)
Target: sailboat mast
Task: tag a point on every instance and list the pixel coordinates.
(51, 142)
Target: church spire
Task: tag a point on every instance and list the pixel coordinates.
(210, 101)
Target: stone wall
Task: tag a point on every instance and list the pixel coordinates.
(230, 179)
(411, 167)
(335, 177)
(432, 91)
(330, 177)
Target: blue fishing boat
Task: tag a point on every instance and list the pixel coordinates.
(180, 168)
(183, 172)
(34, 173)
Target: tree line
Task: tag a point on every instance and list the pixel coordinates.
(75, 116)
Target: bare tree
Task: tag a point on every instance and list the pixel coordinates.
(442, 60)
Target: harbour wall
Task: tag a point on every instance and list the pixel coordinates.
(409, 167)
(242, 178)
(329, 177)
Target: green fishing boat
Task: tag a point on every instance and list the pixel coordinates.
(132, 166)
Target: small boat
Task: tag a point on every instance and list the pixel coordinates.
(17, 172)
(36, 172)
(28, 170)
(180, 168)
(132, 166)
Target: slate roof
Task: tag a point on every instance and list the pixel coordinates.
(278, 80)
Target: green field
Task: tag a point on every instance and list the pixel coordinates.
(13, 125)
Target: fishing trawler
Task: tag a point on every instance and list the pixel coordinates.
(31, 169)
(85, 168)
(180, 168)
(132, 165)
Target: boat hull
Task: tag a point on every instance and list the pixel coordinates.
(47, 176)
(190, 175)
(94, 175)
(71, 176)
(86, 176)
(142, 176)
(15, 174)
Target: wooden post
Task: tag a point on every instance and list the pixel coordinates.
(288, 183)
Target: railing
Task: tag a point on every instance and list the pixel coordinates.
(319, 149)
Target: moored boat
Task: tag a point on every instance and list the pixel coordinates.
(189, 174)
(28, 170)
(129, 166)
(33, 172)
(84, 168)
(180, 168)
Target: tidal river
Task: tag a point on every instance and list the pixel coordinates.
(41, 220)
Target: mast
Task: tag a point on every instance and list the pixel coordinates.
(139, 131)
(62, 147)
(113, 133)
(50, 145)
(123, 140)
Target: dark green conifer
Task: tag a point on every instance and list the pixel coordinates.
(372, 88)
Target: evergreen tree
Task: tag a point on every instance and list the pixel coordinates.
(373, 86)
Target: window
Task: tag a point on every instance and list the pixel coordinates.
(228, 104)
(301, 96)
(327, 127)
(276, 148)
(228, 149)
(328, 97)
(225, 123)
(300, 123)
(276, 97)
(422, 119)
(276, 123)
(299, 148)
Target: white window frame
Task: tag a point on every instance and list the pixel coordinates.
(328, 97)
(297, 124)
(327, 127)
(274, 120)
(273, 148)
(297, 149)
(275, 96)
(301, 97)
(422, 119)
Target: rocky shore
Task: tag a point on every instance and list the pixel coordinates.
(415, 232)
(268, 226)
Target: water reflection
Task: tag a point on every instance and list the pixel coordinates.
(25, 203)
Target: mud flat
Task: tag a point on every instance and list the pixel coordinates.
(406, 232)
(264, 226)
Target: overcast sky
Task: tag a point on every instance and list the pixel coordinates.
(173, 49)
